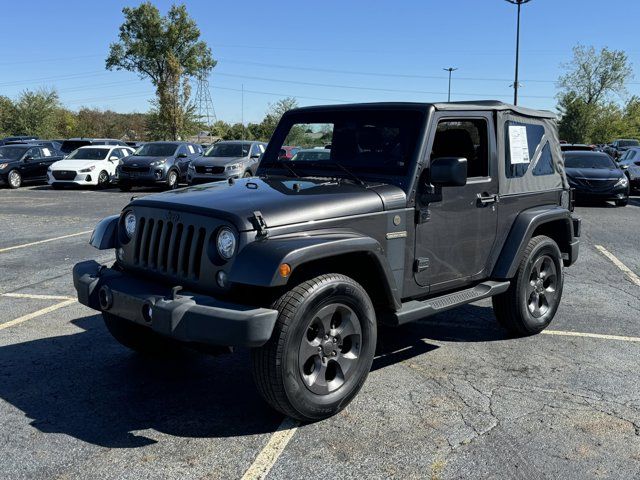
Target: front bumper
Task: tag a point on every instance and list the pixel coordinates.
(153, 177)
(79, 179)
(617, 193)
(186, 317)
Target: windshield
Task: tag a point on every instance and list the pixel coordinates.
(629, 143)
(312, 155)
(157, 150)
(89, 154)
(588, 161)
(370, 144)
(12, 153)
(69, 146)
(228, 150)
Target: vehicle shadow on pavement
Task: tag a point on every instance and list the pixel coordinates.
(470, 323)
(88, 386)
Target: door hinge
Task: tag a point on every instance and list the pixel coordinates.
(423, 215)
(421, 264)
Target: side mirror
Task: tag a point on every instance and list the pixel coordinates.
(182, 155)
(26, 158)
(113, 158)
(624, 167)
(448, 172)
(255, 155)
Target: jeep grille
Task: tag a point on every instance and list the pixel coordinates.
(165, 247)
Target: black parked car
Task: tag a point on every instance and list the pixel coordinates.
(157, 163)
(53, 145)
(416, 209)
(617, 148)
(25, 163)
(595, 176)
(19, 138)
(71, 144)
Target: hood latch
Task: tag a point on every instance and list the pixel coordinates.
(260, 224)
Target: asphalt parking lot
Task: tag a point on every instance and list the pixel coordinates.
(448, 397)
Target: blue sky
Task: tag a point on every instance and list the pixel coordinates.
(319, 51)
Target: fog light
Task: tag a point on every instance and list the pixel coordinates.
(221, 278)
(285, 270)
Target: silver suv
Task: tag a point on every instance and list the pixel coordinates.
(226, 159)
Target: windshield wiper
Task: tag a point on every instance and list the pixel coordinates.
(353, 176)
(285, 165)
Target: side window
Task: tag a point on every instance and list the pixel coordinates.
(630, 154)
(181, 149)
(34, 152)
(521, 142)
(261, 147)
(46, 152)
(545, 162)
(255, 149)
(191, 149)
(467, 139)
(116, 152)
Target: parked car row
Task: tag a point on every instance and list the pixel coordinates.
(103, 162)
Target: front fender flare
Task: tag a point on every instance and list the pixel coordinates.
(103, 236)
(257, 263)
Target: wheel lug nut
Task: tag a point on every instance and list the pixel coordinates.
(319, 349)
(326, 337)
(335, 340)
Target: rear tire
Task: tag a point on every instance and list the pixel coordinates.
(138, 338)
(14, 179)
(531, 302)
(321, 348)
(622, 203)
(247, 174)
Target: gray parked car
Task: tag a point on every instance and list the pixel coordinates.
(418, 209)
(226, 159)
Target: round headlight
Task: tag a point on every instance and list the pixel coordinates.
(130, 224)
(226, 243)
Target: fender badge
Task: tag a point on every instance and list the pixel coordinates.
(397, 220)
(392, 235)
(172, 217)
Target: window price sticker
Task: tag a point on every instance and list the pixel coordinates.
(519, 148)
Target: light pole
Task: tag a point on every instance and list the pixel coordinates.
(450, 69)
(515, 83)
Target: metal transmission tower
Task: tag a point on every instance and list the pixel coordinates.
(204, 104)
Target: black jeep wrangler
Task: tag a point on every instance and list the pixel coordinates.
(419, 208)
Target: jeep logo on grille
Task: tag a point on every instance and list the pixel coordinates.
(172, 217)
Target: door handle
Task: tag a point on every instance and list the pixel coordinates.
(485, 199)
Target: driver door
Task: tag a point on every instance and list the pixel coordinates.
(455, 233)
(32, 168)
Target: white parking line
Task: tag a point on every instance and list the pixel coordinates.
(591, 335)
(36, 314)
(632, 276)
(15, 247)
(35, 296)
(269, 455)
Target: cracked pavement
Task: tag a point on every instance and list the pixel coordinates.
(448, 397)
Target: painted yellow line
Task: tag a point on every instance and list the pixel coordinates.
(269, 455)
(25, 245)
(35, 296)
(36, 314)
(632, 276)
(601, 336)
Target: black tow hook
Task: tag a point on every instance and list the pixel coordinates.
(174, 292)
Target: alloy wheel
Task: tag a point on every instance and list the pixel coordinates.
(15, 179)
(330, 348)
(541, 291)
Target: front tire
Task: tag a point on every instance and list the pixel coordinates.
(103, 180)
(622, 203)
(321, 349)
(137, 337)
(14, 179)
(172, 180)
(531, 302)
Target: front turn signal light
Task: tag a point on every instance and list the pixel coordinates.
(285, 270)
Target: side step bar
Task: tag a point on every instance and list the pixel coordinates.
(417, 309)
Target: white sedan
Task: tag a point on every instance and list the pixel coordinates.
(90, 165)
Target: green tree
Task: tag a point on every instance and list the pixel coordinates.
(7, 116)
(166, 50)
(274, 114)
(593, 76)
(36, 113)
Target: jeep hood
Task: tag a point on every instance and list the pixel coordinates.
(280, 201)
